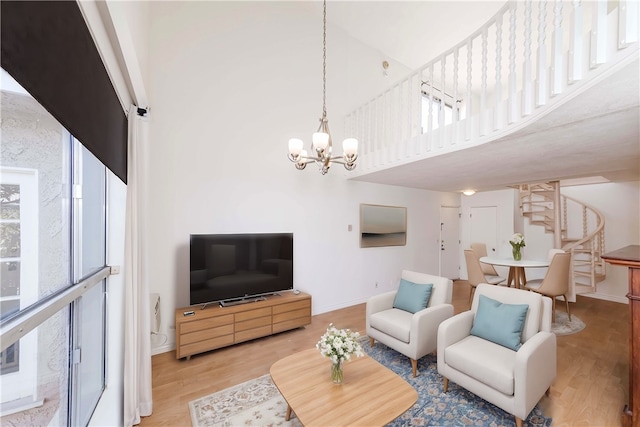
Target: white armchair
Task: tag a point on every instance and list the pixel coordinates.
(513, 380)
(412, 334)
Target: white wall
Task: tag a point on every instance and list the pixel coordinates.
(231, 82)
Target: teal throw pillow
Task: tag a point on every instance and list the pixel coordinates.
(412, 297)
(500, 323)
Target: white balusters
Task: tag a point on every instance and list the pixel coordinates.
(512, 114)
(628, 23)
(483, 86)
(599, 34)
(468, 101)
(542, 88)
(527, 70)
(455, 116)
(576, 43)
(497, 92)
(557, 65)
(400, 124)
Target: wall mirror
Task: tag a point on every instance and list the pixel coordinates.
(382, 226)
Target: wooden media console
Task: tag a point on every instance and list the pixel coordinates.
(203, 329)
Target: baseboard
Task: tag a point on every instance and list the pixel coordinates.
(612, 298)
(163, 349)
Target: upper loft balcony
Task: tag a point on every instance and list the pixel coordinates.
(542, 91)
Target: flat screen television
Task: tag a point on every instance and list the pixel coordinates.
(232, 267)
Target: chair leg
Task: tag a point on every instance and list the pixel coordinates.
(553, 310)
(371, 342)
(566, 301)
(446, 384)
(471, 291)
(414, 367)
(518, 422)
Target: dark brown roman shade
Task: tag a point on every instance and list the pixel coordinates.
(47, 48)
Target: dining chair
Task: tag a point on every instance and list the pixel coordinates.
(475, 275)
(556, 281)
(480, 250)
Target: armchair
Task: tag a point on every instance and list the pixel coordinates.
(412, 334)
(512, 379)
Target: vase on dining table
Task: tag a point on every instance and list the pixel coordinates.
(517, 254)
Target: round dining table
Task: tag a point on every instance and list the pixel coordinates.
(517, 276)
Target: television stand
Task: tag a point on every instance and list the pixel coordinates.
(230, 303)
(198, 331)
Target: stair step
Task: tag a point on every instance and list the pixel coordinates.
(598, 276)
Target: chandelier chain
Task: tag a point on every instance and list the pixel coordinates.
(324, 61)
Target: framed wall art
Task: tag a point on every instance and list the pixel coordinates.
(382, 226)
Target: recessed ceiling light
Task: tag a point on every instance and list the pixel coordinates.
(469, 192)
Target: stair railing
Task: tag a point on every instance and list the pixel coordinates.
(495, 81)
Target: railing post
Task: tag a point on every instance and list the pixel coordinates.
(542, 54)
(497, 92)
(512, 114)
(468, 101)
(599, 34)
(575, 44)
(527, 70)
(557, 65)
(627, 23)
(557, 220)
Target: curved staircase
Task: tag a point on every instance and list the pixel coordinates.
(545, 206)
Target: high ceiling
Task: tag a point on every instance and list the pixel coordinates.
(596, 134)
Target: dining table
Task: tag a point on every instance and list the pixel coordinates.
(517, 275)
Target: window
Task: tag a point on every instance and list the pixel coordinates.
(52, 238)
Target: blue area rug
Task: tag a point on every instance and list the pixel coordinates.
(457, 407)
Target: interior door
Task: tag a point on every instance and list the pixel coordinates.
(450, 242)
(484, 225)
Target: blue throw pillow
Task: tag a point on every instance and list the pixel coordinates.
(500, 323)
(412, 297)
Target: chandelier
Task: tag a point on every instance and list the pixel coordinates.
(321, 139)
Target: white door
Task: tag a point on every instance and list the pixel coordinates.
(19, 278)
(450, 242)
(484, 223)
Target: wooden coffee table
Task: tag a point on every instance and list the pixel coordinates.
(369, 395)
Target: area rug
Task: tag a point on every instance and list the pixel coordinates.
(562, 325)
(258, 403)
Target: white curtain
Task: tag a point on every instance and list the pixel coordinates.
(137, 343)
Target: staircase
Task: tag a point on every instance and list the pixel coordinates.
(545, 206)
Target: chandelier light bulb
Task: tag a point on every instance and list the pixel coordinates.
(295, 146)
(350, 146)
(320, 140)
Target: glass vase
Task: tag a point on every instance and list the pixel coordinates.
(517, 255)
(336, 372)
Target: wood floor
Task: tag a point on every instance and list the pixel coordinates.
(590, 390)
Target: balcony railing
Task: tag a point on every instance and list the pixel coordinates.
(528, 58)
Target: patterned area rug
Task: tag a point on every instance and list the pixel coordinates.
(562, 325)
(258, 402)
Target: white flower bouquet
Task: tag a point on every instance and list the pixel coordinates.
(339, 344)
(517, 240)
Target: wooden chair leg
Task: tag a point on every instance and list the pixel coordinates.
(518, 422)
(566, 301)
(553, 310)
(471, 291)
(371, 342)
(548, 392)
(446, 384)
(414, 367)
